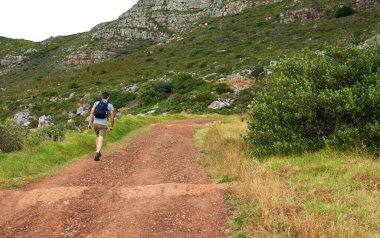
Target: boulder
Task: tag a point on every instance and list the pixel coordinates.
(373, 40)
(72, 115)
(273, 63)
(11, 60)
(83, 110)
(133, 88)
(45, 121)
(23, 118)
(118, 114)
(320, 53)
(217, 105)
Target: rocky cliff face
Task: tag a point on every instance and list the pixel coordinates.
(153, 20)
(159, 19)
(156, 20)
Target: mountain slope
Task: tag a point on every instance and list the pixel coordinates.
(212, 49)
(146, 23)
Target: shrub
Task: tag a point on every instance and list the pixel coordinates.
(190, 65)
(36, 137)
(73, 86)
(153, 92)
(10, 136)
(344, 11)
(222, 88)
(311, 101)
(184, 83)
(120, 99)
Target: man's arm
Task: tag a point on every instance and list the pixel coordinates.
(91, 117)
(112, 119)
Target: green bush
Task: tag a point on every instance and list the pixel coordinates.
(35, 137)
(153, 92)
(10, 136)
(222, 88)
(184, 83)
(310, 102)
(73, 86)
(344, 11)
(120, 99)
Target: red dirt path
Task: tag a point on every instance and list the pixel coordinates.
(151, 188)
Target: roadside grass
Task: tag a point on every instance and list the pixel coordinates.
(19, 168)
(322, 194)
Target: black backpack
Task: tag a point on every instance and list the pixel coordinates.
(101, 110)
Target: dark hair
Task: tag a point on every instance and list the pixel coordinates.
(105, 95)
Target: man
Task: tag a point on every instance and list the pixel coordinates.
(100, 113)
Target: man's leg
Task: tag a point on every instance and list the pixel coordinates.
(100, 132)
(99, 143)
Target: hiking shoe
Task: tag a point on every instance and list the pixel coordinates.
(97, 156)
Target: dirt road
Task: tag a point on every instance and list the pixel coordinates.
(151, 188)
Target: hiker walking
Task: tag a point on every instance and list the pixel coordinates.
(100, 112)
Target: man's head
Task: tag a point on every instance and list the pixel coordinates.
(105, 96)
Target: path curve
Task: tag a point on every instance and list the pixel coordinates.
(151, 188)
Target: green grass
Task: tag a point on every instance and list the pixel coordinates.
(19, 168)
(323, 194)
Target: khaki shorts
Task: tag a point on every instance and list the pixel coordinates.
(100, 130)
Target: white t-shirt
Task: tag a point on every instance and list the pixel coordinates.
(102, 121)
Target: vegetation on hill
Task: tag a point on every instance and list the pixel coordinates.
(215, 48)
(312, 101)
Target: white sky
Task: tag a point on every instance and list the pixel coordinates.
(37, 20)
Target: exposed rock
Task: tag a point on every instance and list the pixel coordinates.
(133, 88)
(159, 19)
(118, 114)
(300, 15)
(123, 109)
(266, 2)
(151, 112)
(70, 121)
(237, 82)
(220, 103)
(29, 51)
(366, 4)
(45, 121)
(320, 53)
(86, 58)
(273, 63)
(12, 60)
(83, 110)
(374, 41)
(23, 118)
(71, 115)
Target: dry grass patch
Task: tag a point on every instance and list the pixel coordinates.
(324, 194)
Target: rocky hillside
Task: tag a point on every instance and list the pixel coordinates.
(146, 23)
(221, 42)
